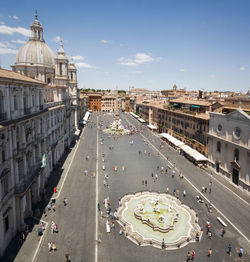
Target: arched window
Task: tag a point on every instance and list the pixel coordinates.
(218, 146)
(236, 154)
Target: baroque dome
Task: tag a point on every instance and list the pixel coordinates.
(35, 53)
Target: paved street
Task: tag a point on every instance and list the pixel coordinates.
(77, 221)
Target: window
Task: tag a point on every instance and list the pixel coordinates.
(3, 156)
(6, 223)
(33, 100)
(218, 146)
(237, 132)
(236, 154)
(219, 127)
(1, 103)
(60, 69)
(5, 182)
(15, 103)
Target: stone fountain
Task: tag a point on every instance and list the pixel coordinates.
(149, 217)
(116, 127)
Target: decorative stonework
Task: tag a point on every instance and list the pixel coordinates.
(150, 217)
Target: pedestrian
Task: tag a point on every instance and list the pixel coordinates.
(188, 256)
(210, 190)
(241, 252)
(142, 182)
(163, 244)
(192, 255)
(229, 250)
(184, 192)
(197, 238)
(67, 257)
(146, 182)
(53, 246)
(55, 190)
(209, 252)
(167, 190)
(22, 237)
(223, 231)
(50, 246)
(43, 226)
(53, 207)
(209, 235)
(98, 206)
(65, 202)
(156, 176)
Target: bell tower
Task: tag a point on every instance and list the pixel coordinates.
(61, 67)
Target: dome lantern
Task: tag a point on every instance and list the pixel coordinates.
(36, 30)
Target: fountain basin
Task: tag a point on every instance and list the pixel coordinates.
(178, 227)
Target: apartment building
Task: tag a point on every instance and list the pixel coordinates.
(108, 103)
(185, 119)
(95, 102)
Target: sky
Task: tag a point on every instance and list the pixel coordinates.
(152, 44)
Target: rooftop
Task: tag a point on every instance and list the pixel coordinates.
(191, 101)
(10, 75)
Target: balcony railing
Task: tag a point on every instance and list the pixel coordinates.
(3, 116)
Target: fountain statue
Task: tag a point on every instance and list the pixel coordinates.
(116, 127)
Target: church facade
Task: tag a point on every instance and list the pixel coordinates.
(39, 116)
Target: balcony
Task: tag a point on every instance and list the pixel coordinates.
(3, 116)
(27, 111)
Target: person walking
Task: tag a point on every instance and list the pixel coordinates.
(229, 248)
(99, 207)
(209, 252)
(146, 182)
(184, 192)
(192, 255)
(223, 232)
(67, 257)
(241, 252)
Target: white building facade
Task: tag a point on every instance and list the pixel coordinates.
(229, 146)
(39, 115)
